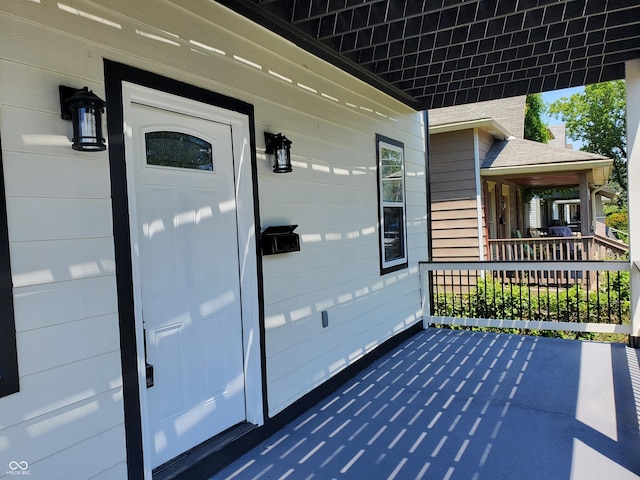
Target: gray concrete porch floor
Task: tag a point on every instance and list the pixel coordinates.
(468, 405)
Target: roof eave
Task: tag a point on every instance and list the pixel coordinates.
(490, 125)
(599, 169)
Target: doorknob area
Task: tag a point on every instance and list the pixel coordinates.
(148, 366)
(149, 373)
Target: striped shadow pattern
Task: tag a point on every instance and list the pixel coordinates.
(466, 405)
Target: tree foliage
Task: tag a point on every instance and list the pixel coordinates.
(597, 117)
(534, 127)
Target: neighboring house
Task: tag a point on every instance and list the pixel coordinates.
(127, 268)
(482, 174)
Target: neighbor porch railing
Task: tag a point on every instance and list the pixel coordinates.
(557, 248)
(577, 296)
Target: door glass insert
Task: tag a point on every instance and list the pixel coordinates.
(178, 150)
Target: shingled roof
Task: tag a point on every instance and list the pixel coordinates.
(509, 112)
(520, 152)
(526, 162)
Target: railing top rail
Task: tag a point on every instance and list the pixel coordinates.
(532, 240)
(612, 243)
(540, 239)
(584, 265)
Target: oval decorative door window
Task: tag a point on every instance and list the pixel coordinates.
(178, 150)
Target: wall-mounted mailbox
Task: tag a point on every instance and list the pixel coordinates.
(280, 239)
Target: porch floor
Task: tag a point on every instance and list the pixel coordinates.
(467, 405)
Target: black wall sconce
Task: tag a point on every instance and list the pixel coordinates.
(84, 108)
(278, 149)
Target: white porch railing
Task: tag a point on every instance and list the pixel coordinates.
(557, 248)
(577, 296)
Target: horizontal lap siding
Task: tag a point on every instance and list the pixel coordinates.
(67, 418)
(453, 196)
(60, 223)
(332, 196)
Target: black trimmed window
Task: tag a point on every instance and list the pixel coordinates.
(8, 354)
(391, 204)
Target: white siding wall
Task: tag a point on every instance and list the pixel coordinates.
(68, 413)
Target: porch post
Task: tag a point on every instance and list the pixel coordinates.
(586, 228)
(479, 199)
(633, 167)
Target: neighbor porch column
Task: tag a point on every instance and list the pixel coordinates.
(633, 166)
(585, 207)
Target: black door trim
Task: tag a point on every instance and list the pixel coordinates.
(116, 73)
(9, 378)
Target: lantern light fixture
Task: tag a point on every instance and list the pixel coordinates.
(84, 108)
(278, 149)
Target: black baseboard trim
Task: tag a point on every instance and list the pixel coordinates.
(199, 466)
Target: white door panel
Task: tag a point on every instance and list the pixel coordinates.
(186, 246)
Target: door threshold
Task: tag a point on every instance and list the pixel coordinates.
(175, 467)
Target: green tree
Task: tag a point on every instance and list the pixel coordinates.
(534, 127)
(597, 117)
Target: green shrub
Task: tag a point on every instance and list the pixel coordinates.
(620, 221)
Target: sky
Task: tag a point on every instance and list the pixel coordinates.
(549, 97)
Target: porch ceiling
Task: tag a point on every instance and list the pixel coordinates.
(569, 179)
(436, 53)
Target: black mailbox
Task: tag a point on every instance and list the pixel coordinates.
(280, 239)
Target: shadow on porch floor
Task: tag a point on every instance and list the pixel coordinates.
(468, 405)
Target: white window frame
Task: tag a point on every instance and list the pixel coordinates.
(392, 237)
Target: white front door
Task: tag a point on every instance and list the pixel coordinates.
(186, 271)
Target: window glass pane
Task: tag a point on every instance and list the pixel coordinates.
(393, 233)
(392, 190)
(391, 174)
(179, 150)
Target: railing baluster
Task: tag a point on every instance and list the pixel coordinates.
(598, 294)
(469, 291)
(578, 296)
(502, 303)
(619, 298)
(446, 300)
(569, 286)
(529, 299)
(557, 297)
(460, 293)
(588, 290)
(609, 294)
(435, 297)
(539, 312)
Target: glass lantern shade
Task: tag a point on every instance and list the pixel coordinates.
(86, 115)
(279, 148)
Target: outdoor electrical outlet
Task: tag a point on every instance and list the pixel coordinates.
(325, 319)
